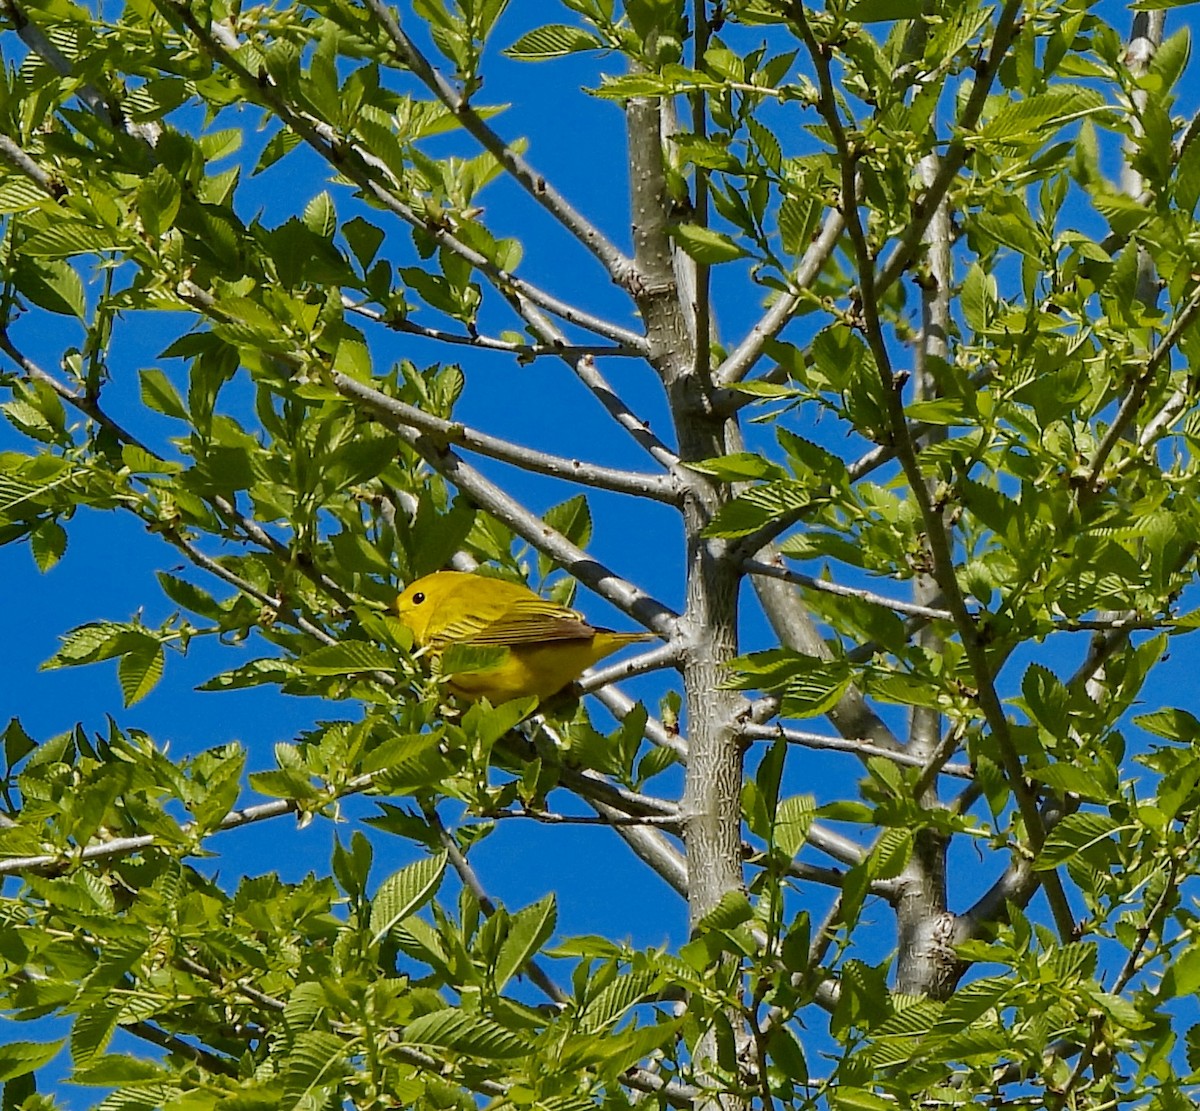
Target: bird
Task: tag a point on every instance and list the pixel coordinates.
(548, 646)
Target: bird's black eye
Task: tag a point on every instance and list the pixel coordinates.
(418, 598)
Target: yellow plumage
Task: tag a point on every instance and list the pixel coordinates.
(547, 645)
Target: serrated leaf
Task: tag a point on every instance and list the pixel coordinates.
(119, 1070)
(283, 141)
(742, 466)
(1073, 779)
(467, 1033)
(159, 394)
(364, 238)
(528, 930)
(555, 40)
(320, 216)
(20, 1058)
(347, 657)
(66, 238)
(611, 1003)
(284, 783)
(140, 669)
(706, 245)
(51, 284)
(140, 461)
(1025, 118)
(405, 892)
(397, 751)
(47, 543)
(314, 1065)
(732, 910)
(1172, 723)
(1074, 835)
(793, 819)
(221, 788)
(98, 640)
(750, 511)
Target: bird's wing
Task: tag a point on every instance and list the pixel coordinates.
(522, 621)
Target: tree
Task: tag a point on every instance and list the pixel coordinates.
(951, 454)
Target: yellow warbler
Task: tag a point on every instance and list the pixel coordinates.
(548, 645)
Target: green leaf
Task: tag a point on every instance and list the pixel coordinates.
(118, 1070)
(616, 999)
(364, 239)
(467, 1033)
(284, 783)
(706, 245)
(347, 657)
(555, 40)
(159, 394)
(313, 1067)
(528, 931)
(572, 518)
(752, 510)
(221, 787)
(67, 237)
(140, 669)
(1074, 779)
(1078, 835)
(859, 1099)
(793, 819)
(786, 1053)
(405, 892)
(1182, 978)
(742, 466)
(100, 640)
(52, 284)
(1172, 723)
(158, 200)
(488, 724)
(17, 744)
(732, 910)
(878, 11)
(189, 596)
(1024, 119)
(320, 216)
(140, 461)
(398, 751)
(47, 543)
(20, 1058)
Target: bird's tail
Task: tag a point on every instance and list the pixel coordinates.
(606, 641)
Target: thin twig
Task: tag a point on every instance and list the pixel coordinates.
(350, 160)
(773, 571)
(1133, 400)
(857, 746)
(663, 488)
(617, 265)
(124, 846)
(742, 359)
(222, 1066)
(584, 368)
(276, 605)
(663, 656)
(530, 527)
(522, 351)
(671, 822)
(957, 150)
(470, 878)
